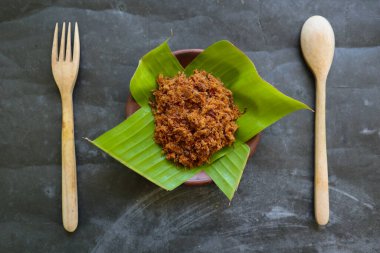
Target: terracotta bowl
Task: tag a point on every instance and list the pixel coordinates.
(185, 57)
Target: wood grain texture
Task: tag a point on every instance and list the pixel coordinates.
(321, 183)
(65, 68)
(318, 43)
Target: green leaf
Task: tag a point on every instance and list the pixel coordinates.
(158, 61)
(263, 104)
(226, 172)
(132, 144)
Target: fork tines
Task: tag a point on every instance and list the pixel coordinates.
(69, 56)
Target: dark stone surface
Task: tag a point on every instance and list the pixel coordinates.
(121, 212)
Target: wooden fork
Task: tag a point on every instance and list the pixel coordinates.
(65, 71)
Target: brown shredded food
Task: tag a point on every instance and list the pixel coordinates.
(194, 116)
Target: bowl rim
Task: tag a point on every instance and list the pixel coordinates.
(186, 51)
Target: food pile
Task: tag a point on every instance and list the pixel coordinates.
(195, 117)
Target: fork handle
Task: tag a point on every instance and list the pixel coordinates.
(69, 173)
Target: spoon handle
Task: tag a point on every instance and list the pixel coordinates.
(321, 184)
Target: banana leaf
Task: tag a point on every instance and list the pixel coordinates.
(132, 143)
(158, 61)
(226, 172)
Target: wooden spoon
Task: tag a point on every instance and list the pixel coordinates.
(318, 43)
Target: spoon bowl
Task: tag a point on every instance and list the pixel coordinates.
(318, 44)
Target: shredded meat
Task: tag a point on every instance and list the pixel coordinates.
(194, 116)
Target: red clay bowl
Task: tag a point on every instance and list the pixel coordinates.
(185, 56)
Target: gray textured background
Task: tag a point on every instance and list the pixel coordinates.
(121, 212)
